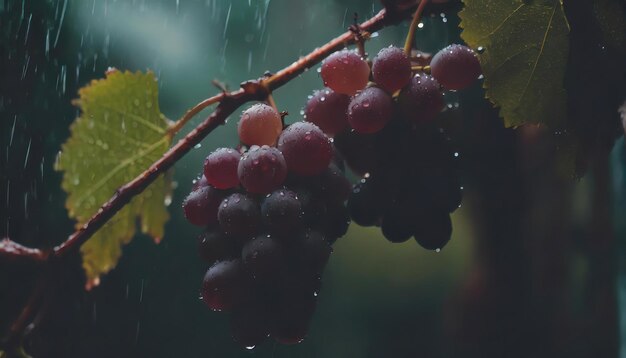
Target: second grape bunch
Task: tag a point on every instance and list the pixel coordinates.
(384, 123)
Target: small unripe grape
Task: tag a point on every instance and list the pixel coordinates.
(259, 125)
(345, 72)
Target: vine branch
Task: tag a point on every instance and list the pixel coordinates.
(408, 44)
(228, 102)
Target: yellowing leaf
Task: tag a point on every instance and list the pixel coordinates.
(119, 133)
(526, 49)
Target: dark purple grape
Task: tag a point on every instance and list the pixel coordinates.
(214, 246)
(398, 223)
(359, 150)
(199, 182)
(225, 285)
(455, 67)
(239, 216)
(312, 251)
(262, 169)
(433, 229)
(264, 257)
(365, 204)
(370, 110)
(313, 207)
(328, 110)
(335, 223)
(333, 185)
(249, 323)
(306, 148)
(421, 100)
(345, 72)
(259, 125)
(200, 206)
(220, 168)
(391, 69)
(282, 212)
(293, 315)
(442, 189)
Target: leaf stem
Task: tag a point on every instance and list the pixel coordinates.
(408, 44)
(178, 125)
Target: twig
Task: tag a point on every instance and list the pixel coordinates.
(408, 44)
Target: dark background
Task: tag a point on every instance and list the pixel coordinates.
(532, 269)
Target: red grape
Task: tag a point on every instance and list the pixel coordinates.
(345, 72)
(200, 206)
(391, 69)
(282, 212)
(421, 100)
(224, 285)
(239, 216)
(220, 168)
(370, 110)
(259, 125)
(328, 110)
(306, 148)
(455, 67)
(262, 169)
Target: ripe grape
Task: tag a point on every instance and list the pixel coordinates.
(224, 285)
(345, 72)
(259, 125)
(306, 148)
(282, 212)
(421, 100)
(293, 318)
(360, 151)
(199, 182)
(333, 185)
(312, 251)
(365, 203)
(262, 169)
(249, 323)
(220, 168)
(433, 229)
(313, 208)
(239, 216)
(200, 206)
(455, 67)
(214, 246)
(398, 224)
(328, 110)
(391, 69)
(370, 110)
(263, 256)
(335, 223)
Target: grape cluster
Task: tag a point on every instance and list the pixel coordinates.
(271, 211)
(384, 124)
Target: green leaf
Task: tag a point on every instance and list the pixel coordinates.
(119, 133)
(526, 48)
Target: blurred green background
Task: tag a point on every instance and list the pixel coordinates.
(378, 299)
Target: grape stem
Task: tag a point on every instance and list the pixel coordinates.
(420, 69)
(227, 103)
(408, 44)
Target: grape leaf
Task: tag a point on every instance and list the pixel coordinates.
(526, 49)
(119, 133)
